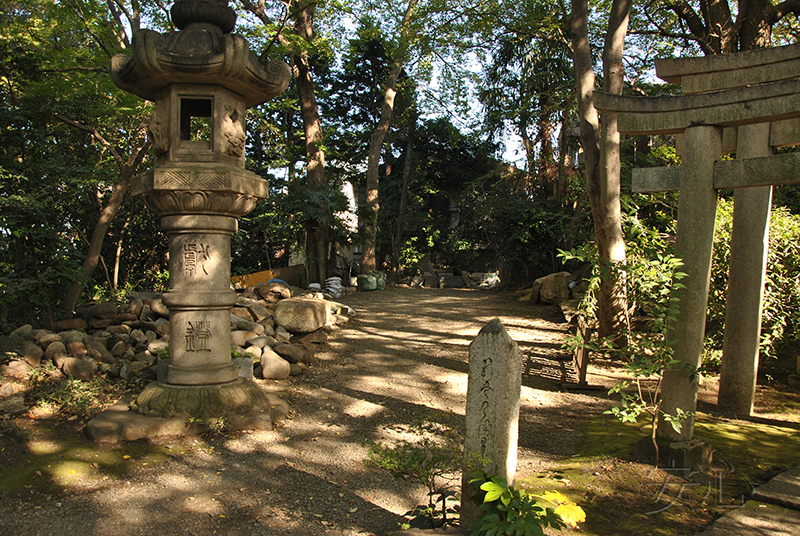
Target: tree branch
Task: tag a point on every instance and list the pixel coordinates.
(96, 135)
(783, 9)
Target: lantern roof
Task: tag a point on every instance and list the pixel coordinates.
(202, 51)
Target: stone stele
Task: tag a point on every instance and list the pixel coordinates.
(492, 416)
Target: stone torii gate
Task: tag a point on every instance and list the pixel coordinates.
(748, 103)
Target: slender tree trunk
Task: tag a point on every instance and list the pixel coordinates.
(401, 210)
(369, 262)
(127, 171)
(613, 302)
(602, 155)
(316, 232)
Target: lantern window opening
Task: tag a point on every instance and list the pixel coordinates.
(196, 119)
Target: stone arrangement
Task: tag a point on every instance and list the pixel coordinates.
(274, 331)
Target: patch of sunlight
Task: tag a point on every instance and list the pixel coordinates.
(43, 447)
(177, 482)
(67, 473)
(363, 408)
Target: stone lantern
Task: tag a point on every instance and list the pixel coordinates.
(202, 79)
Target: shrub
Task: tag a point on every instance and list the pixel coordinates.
(781, 311)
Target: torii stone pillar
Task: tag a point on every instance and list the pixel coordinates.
(732, 93)
(745, 295)
(202, 79)
(697, 206)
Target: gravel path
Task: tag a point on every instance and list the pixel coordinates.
(404, 354)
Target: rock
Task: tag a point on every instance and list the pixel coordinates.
(157, 346)
(54, 348)
(74, 335)
(110, 369)
(125, 370)
(240, 337)
(70, 324)
(137, 337)
(262, 341)
(430, 281)
(96, 348)
(118, 349)
(124, 317)
(100, 323)
(145, 357)
(273, 366)
(252, 351)
(158, 307)
(80, 369)
(340, 320)
(317, 337)
(17, 368)
(451, 281)
(76, 349)
(136, 307)
(296, 369)
(105, 311)
(301, 316)
(240, 323)
(12, 388)
(139, 366)
(47, 340)
(290, 352)
(548, 292)
(281, 335)
(259, 311)
(119, 330)
(13, 405)
(86, 311)
(242, 312)
(22, 332)
(273, 291)
(269, 328)
(32, 353)
(147, 314)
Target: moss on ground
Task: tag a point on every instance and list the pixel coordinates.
(622, 495)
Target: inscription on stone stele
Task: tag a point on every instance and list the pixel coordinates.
(195, 255)
(197, 335)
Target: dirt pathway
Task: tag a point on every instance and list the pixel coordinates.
(403, 355)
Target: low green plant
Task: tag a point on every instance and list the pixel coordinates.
(515, 512)
(433, 458)
(652, 282)
(72, 397)
(9, 427)
(212, 427)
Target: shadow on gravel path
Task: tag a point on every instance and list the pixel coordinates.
(404, 354)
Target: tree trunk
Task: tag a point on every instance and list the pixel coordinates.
(613, 301)
(127, 171)
(401, 210)
(103, 223)
(316, 231)
(369, 262)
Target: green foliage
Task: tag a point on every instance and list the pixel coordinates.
(72, 397)
(431, 458)
(780, 324)
(652, 284)
(515, 512)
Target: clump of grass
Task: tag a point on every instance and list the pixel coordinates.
(70, 397)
